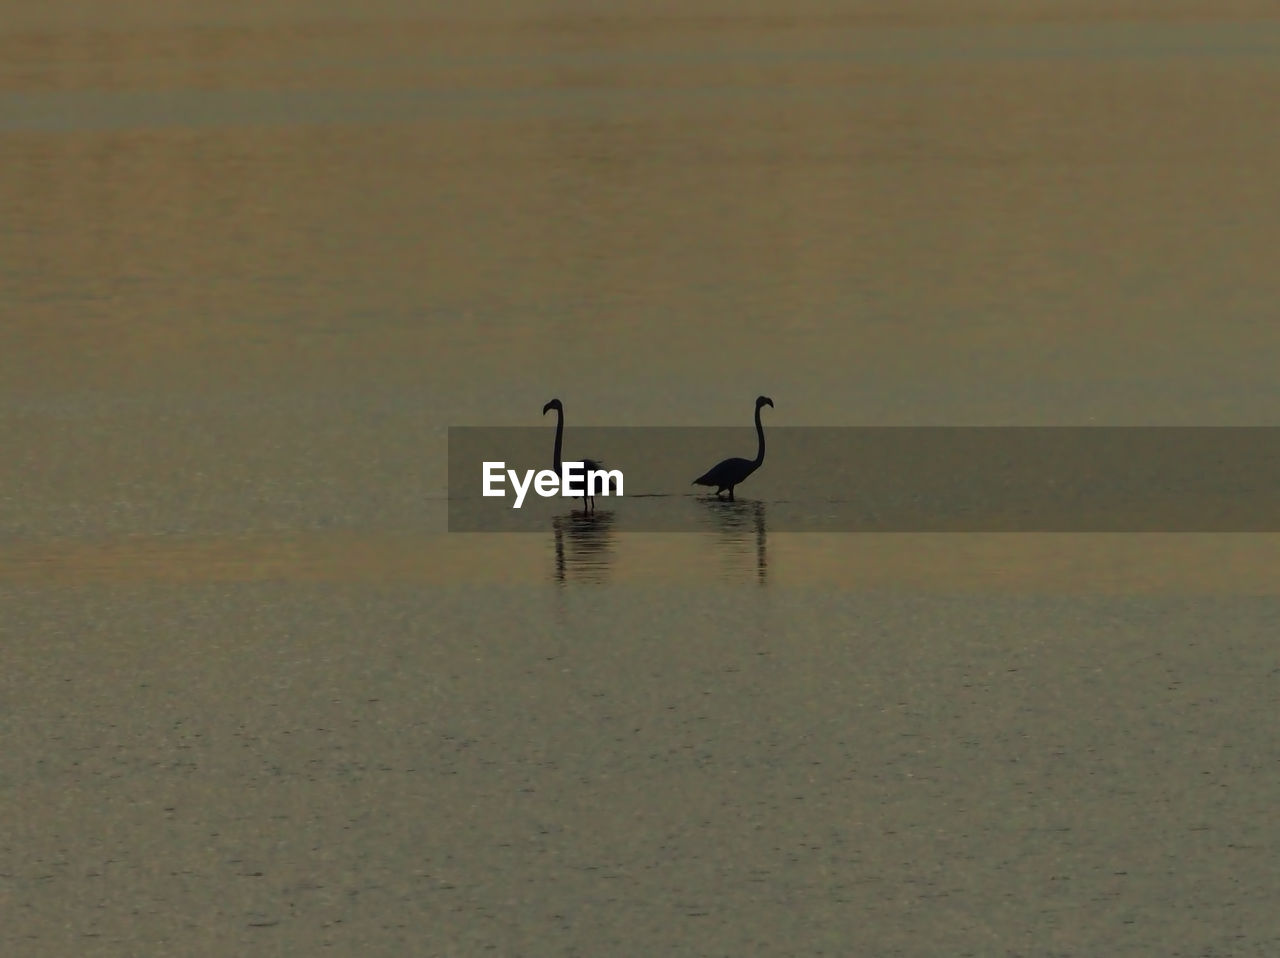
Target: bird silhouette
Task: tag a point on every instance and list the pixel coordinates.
(728, 473)
(588, 502)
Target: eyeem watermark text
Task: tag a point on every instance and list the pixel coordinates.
(575, 481)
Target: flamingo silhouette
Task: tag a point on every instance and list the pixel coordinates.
(729, 472)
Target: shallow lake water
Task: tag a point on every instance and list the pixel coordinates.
(256, 260)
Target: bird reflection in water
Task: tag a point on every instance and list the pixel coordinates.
(741, 525)
(584, 547)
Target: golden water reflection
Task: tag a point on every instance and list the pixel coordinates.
(585, 550)
(741, 531)
(583, 546)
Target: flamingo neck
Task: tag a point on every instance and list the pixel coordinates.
(555, 460)
(760, 436)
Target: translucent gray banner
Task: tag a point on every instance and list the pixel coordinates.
(891, 479)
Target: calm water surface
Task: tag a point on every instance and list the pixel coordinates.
(254, 261)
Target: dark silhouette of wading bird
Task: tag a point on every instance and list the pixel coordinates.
(588, 502)
(727, 474)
